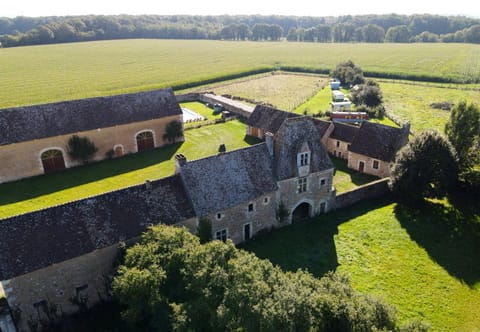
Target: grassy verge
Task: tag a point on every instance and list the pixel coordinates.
(424, 260)
(52, 189)
(346, 178)
(202, 109)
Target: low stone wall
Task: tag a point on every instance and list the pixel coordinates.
(370, 190)
(188, 97)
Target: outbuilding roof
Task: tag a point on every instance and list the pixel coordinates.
(39, 239)
(379, 141)
(21, 124)
(268, 119)
(344, 132)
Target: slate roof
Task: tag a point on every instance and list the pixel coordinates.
(288, 142)
(225, 180)
(268, 119)
(42, 238)
(322, 126)
(379, 141)
(21, 124)
(344, 132)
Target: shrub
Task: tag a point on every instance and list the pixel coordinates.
(81, 148)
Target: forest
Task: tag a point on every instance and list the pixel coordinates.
(21, 30)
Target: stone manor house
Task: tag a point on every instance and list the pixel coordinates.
(58, 260)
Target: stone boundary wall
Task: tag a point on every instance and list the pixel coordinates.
(233, 106)
(370, 190)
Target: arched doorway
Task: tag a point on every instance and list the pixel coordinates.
(301, 212)
(52, 161)
(145, 141)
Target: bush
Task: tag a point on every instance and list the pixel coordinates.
(81, 148)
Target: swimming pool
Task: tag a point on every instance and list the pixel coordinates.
(189, 115)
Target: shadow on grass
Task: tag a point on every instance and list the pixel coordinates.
(450, 234)
(45, 184)
(308, 244)
(251, 140)
(357, 178)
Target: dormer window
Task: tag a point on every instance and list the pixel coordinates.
(304, 158)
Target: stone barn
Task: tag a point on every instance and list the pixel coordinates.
(266, 119)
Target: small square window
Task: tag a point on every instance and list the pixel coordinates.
(323, 182)
(266, 200)
(250, 207)
(302, 185)
(375, 164)
(221, 235)
(219, 216)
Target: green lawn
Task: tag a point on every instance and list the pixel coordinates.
(346, 178)
(46, 73)
(202, 109)
(424, 261)
(52, 189)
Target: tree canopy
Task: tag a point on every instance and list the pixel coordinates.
(348, 73)
(169, 281)
(81, 148)
(425, 168)
(173, 130)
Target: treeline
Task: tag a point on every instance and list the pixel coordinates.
(367, 28)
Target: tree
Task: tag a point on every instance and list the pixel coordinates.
(204, 230)
(463, 131)
(368, 94)
(348, 73)
(173, 130)
(169, 281)
(398, 34)
(81, 148)
(426, 167)
(373, 33)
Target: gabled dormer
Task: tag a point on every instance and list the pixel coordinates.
(303, 160)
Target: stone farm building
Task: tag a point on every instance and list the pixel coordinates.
(33, 139)
(58, 260)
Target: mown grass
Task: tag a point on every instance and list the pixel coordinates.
(411, 102)
(39, 74)
(77, 183)
(345, 178)
(201, 109)
(423, 260)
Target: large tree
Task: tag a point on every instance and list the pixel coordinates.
(368, 94)
(463, 131)
(348, 73)
(169, 281)
(426, 167)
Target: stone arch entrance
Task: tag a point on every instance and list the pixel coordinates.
(301, 212)
(52, 160)
(145, 141)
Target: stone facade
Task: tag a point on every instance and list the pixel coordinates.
(23, 159)
(338, 148)
(370, 166)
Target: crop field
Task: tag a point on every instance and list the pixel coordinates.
(47, 73)
(419, 260)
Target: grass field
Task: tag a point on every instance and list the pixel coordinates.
(39, 74)
(345, 178)
(53, 189)
(418, 260)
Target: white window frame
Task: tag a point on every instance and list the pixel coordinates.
(302, 185)
(222, 234)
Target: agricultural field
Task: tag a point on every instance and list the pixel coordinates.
(47, 73)
(76, 183)
(419, 260)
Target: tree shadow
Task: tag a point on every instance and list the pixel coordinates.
(450, 235)
(308, 244)
(25, 189)
(252, 140)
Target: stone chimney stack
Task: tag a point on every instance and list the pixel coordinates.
(180, 160)
(269, 142)
(222, 148)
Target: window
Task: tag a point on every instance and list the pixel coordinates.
(250, 207)
(338, 144)
(323, 182)
(219, 216)
(304, 158)
(375, 164)
(221, 235)
(266, 200)
(302, 185)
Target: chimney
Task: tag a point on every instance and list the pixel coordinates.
(269, 142)
(180, 160)
(222, 148)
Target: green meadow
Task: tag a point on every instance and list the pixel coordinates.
(47, 73)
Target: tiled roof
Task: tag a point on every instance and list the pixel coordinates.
(268, 119)
(379, 141)
(288, 142)
(227, 179)
(322, 126)
(21, 124)
(42, 238)
(344, 132)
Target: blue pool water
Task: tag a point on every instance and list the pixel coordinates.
(189, 115)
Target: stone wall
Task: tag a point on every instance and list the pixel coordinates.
(382, 171)
(23, 159)
(368, 191)
(340, 151)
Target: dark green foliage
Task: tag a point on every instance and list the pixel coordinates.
(172, 282)
(348, 73)
(367, 94)
(204, 230)
(173, 130)
(81, 148)
(282, 212)
(463, 131)
(426, 167)
(398, 34)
